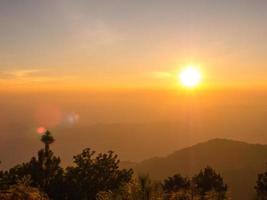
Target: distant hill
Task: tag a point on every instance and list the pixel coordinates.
(152, 139)
(238, 162)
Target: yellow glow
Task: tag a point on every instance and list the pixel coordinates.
(190, 77)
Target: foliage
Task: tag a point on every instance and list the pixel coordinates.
(261, 186)
(175, 183)
(22, 191)
(93, 174)
(145, 187)
(47, 139)
(208, 182)
(98, 177)
(45, 171)
(139, 188)
(89, 176)
(176, 187)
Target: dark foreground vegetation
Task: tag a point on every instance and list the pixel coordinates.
(99, 177)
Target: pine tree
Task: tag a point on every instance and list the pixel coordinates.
(47, 139)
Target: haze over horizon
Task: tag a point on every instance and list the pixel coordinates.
(158, 123)
(117, 66)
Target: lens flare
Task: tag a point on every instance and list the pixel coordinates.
(41, 130)
(72, 118)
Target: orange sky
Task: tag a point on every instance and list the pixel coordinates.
(87, 45)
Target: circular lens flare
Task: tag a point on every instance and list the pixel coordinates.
(41, 130)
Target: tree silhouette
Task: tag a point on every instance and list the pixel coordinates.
(22, 191)
(261, 186)
(145, 187)
(208, 182)
(47, 139)
(44, 170)
(13, 175)
(1, 178)
(176, 187)
(92, 175)
(175, 183)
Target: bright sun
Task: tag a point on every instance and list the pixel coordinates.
(190, 77)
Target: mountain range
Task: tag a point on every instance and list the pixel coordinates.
(238, 163)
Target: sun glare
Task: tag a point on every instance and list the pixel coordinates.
(190, 77)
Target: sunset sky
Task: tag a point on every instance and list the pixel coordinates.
(121, 74)
(131, 44)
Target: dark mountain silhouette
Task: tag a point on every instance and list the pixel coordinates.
(238, 162)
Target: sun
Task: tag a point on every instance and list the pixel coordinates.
(190, 77)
